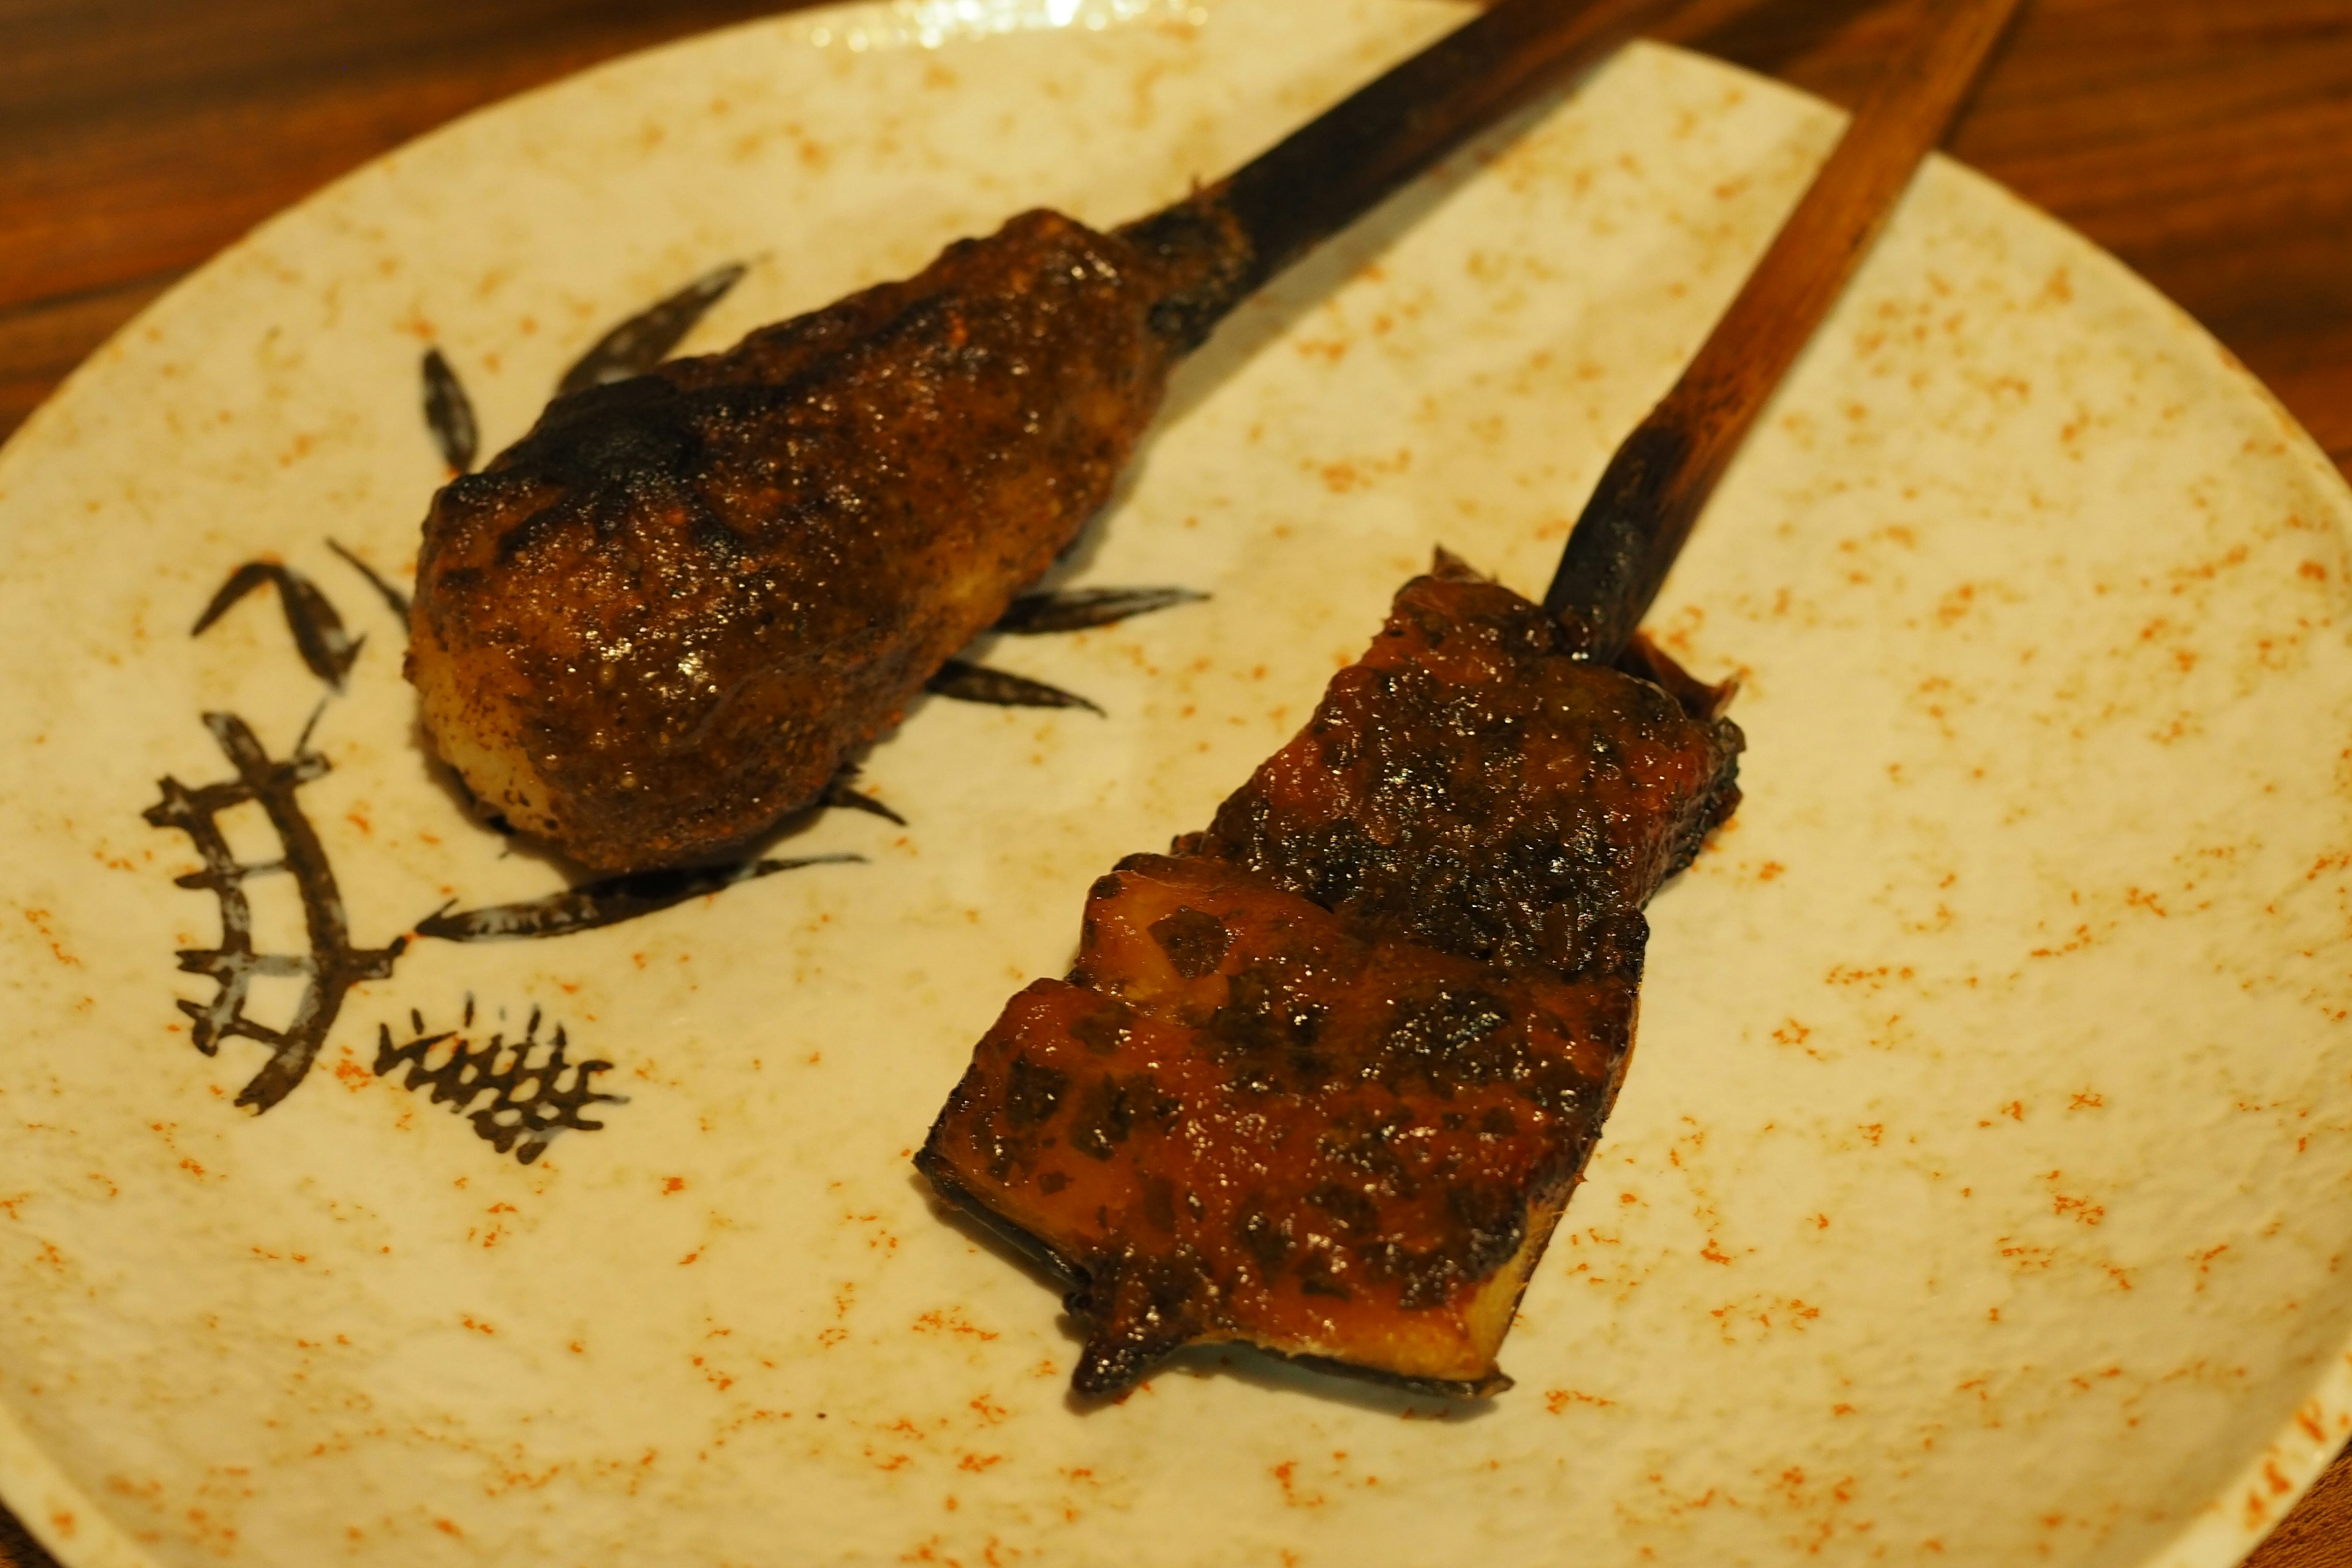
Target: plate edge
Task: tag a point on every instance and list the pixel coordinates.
(69, 1525)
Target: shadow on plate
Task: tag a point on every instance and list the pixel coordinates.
(1260, 1369)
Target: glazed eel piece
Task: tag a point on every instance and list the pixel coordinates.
(668, 617)
(1323, 1079)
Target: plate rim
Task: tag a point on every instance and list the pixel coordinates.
(71, 1525)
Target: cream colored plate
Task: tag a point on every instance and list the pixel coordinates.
(1979, 1193)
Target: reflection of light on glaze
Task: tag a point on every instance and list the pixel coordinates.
(931, 23)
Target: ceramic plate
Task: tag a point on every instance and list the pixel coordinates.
(1979, 1191)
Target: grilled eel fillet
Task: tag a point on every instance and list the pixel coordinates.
(665, 618)
(1323, 1079)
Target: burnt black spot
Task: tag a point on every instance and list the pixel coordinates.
(1495, 1219)
(1263, 1236)
(1052, 1181)
(611, 453)
(1314, 1280)
(1261, 1017)
(1103, 1033)
(629, 432)
(991, 1148)
(1195, 941)
(1163, 1110)
(1105, 1119)
(1144, 1307)
(1367, 1145)
(1424, 1279)
(1451, 1038)
(1032, 1092)
(1309, 1070)
(1350, 1210)
(710, 533)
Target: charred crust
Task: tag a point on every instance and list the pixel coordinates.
(660, 623)
(1195, 941)
(1202, 245)
(1416, 818)
(1386, 999)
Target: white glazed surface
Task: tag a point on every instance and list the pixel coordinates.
(1978, 1194)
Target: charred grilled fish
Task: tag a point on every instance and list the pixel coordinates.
(663, 618)
(1323, 1079)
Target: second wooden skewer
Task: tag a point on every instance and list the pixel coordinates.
(1660, 477)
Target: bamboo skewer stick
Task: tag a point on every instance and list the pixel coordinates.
(1323, 175)
(1651, 494)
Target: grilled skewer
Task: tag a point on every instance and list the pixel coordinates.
(666, 617)
(1323, 1081)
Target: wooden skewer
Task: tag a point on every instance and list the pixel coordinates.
(1651, 494)
(1325, 174)
(1234, 236)
(1321, 177)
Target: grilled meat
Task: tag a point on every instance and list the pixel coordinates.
(1244, 1117)
(665, 618)
(1470, 783)
(1322, 1081)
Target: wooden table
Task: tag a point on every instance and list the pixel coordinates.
(2207, 143)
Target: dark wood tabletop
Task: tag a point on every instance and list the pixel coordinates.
(2207, 142)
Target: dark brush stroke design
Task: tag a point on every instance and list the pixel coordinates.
(840, 796)
(331, 967)
(319, 636)
(607, 902)
(645, 339)
(536, 1095)
(449, 414)
(391, 595)
(966, 682)
(1079, 609)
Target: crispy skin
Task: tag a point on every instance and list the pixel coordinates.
(1242, 1119)
(1467, 781)
(1323, 1081)
(664, 620)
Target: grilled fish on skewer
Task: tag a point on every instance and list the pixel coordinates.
(1226, 1134)
(663, 618)
(666, 618)
(1322, 1081)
